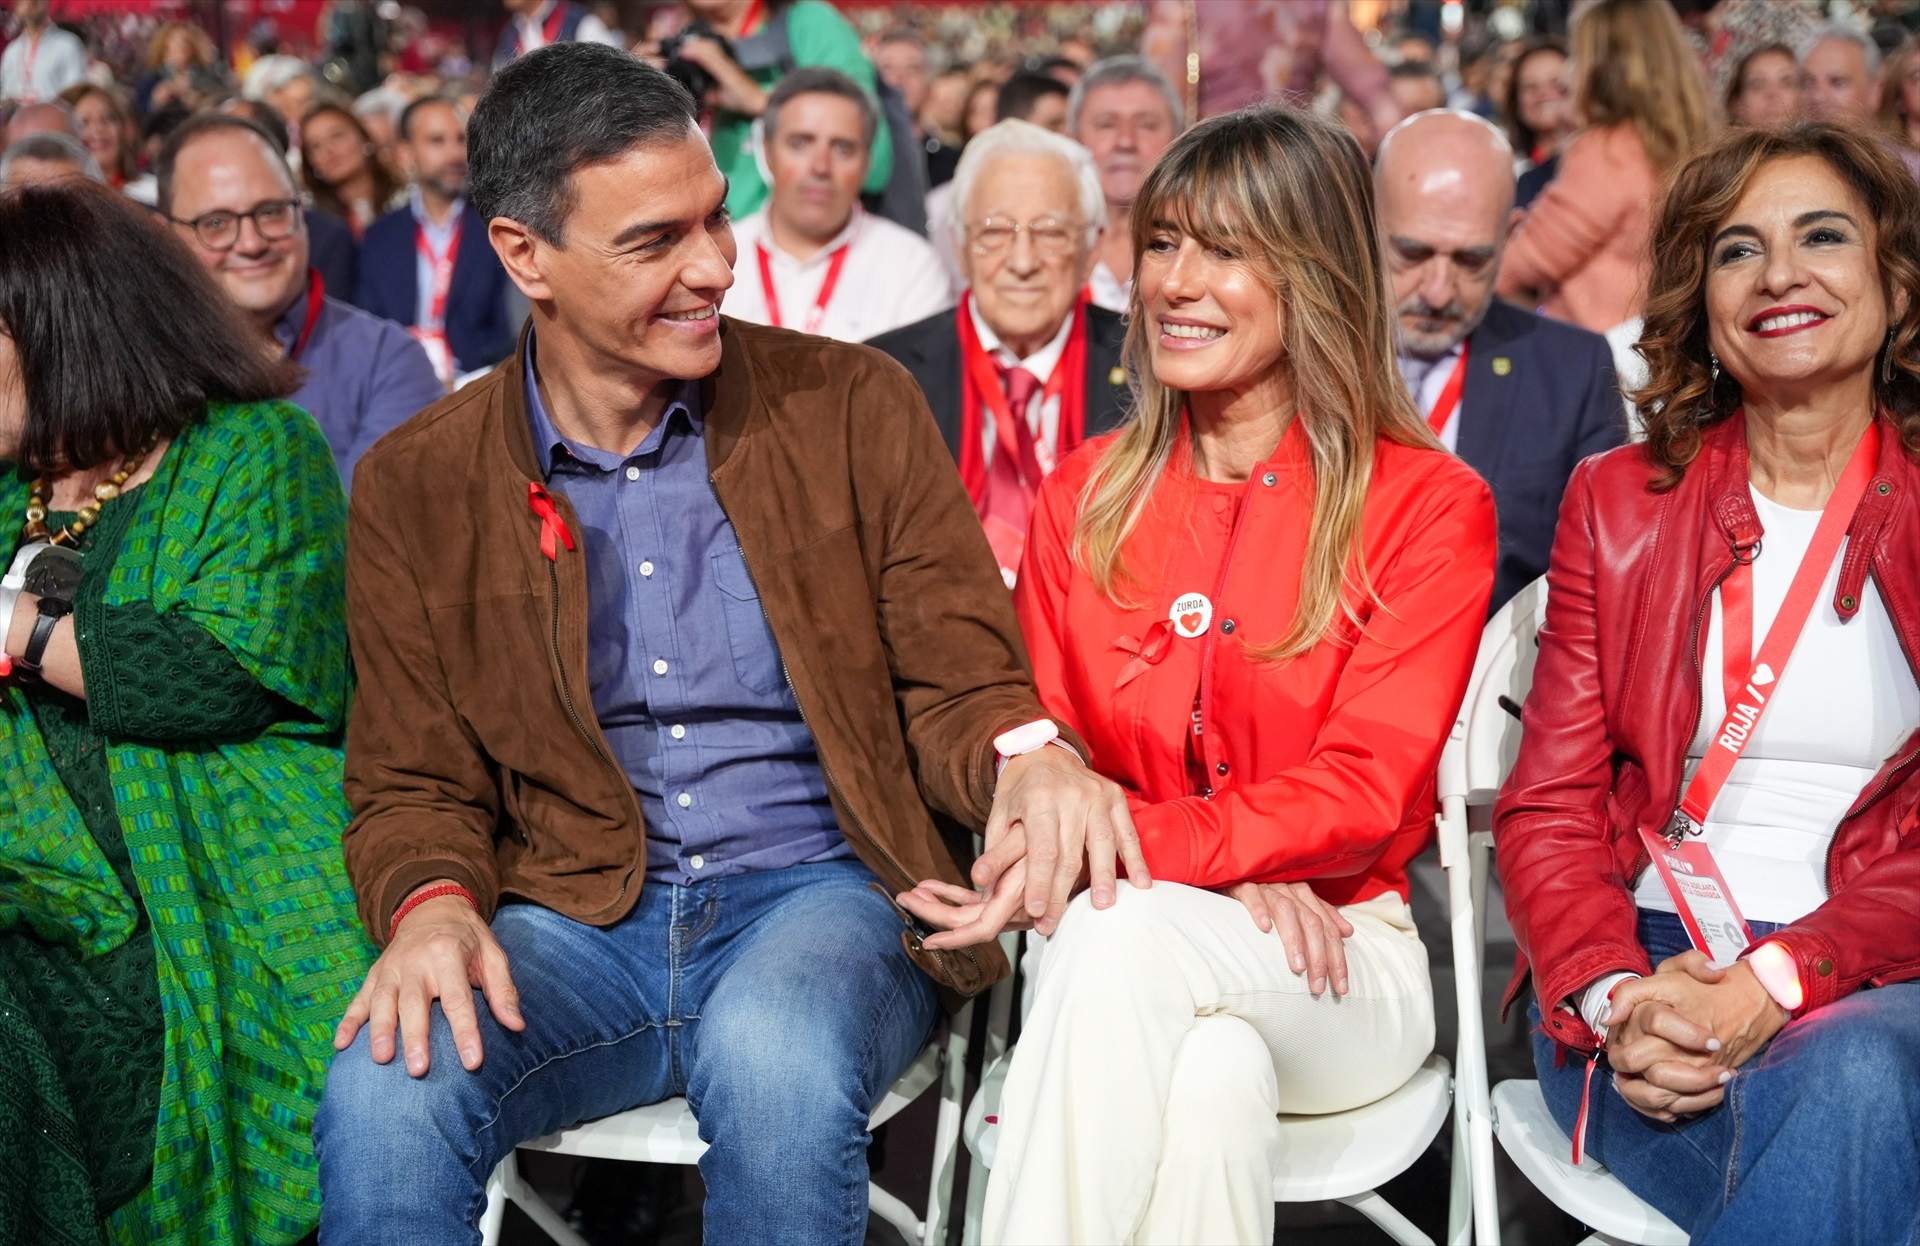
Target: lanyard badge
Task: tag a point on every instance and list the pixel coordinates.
(1685, 864)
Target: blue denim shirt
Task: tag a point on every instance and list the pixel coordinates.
(687, 680)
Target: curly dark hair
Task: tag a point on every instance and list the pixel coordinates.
(1681, 396)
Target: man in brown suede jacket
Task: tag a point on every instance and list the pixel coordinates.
(673, 635)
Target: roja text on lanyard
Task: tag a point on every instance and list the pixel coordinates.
(1685, 864)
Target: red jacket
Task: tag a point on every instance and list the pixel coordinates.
(1615, 701)
(1320, 767)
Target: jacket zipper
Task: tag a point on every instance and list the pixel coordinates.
(833, 786)
(1644, 858)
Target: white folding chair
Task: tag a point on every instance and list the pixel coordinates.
(1481, 751)
(666, 1133)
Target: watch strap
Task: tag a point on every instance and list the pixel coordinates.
(52, 611)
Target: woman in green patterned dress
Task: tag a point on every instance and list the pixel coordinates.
(177, 935)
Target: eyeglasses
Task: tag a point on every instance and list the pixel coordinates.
(1050, 237)
(218, 231)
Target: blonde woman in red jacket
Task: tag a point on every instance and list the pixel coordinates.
(1258, 605)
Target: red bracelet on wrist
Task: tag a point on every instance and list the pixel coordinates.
(420, 897)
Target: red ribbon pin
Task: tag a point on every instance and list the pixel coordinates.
(553, 526)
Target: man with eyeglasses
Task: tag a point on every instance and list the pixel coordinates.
(226, 188)
(811, 259)
(1026, 368)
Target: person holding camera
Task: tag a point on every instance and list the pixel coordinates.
(731, 53)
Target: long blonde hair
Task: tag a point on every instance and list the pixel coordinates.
(1293, 193)
(1632, 64)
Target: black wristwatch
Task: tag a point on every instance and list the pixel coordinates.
(53, 578)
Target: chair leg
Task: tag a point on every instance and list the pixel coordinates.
(508, 1186)
(1384, 1214)
(946, 1132)
(895, 1212)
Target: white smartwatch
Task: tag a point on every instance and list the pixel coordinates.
(1026, 738)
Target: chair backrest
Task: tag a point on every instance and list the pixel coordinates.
(1486, 734)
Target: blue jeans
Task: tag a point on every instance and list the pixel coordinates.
(781, 1004)
(1818, 1139)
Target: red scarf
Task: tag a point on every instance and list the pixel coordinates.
(979, 377)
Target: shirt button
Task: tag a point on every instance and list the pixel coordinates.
(685, 800)
(646, 568)
(633, 473)
(679, 731)
(698, 862)
(1222, 767)
(659, 666)
(1227, 627)
(1269, 480)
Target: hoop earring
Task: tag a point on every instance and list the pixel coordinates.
(1713, 364)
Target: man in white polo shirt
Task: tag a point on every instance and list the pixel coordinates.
(43, 60)
(812, 260)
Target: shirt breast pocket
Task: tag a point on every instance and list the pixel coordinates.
(756, 656)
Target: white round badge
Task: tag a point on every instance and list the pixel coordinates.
(1192, 615)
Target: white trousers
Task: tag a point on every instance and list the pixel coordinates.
(1167, 1034)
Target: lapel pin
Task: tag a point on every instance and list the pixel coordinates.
(1191, 615)
(1117, 377)
(1502, 365)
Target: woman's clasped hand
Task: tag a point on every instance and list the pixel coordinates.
(1674, 1038)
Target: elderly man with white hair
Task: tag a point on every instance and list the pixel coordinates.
(1025, 369)
(1520, 397)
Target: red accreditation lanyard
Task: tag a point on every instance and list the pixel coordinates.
(983, 397)
(1686, 866)
(818, 313)
(441, 262)
(316, 299)
(27, 61)
(1443, 406)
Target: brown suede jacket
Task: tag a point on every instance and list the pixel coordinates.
(473, 753)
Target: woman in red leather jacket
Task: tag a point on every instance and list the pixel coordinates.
(1258, 605)
(1718, 759)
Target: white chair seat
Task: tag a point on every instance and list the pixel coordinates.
(1589, 1193)
(1335, 1156)
(666, 1132)
(1343, 1154)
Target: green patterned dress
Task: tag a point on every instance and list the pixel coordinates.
(176, 933)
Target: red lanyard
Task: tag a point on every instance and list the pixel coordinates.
(986, 383)
(442, 265)
(316, 299)
(1449, 398)
(27, 91)
(752, 16)
(818, 314)
(1749, 684)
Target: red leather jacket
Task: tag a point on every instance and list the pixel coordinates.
(1320, 767)
(1615, 702)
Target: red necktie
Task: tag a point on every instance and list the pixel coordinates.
(1009, 499)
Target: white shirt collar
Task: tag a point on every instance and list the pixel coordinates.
(1041, 362)
(763, 232)
(419, 209)
(1418, 373)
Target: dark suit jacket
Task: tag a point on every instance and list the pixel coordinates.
(1557, 402)
(331, 249)
(478, 330)
(930, 349)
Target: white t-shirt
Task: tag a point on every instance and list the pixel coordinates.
(891, 278)
(56, 58)
(1845, 702)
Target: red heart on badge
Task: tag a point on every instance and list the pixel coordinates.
(1190, 622)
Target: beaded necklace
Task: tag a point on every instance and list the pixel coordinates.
(104, 492)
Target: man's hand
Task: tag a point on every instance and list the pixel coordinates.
(441, 951)
(1311, 931)
(1066, 818)
(734, 88)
